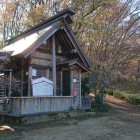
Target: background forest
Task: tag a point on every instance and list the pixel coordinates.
(108, 31)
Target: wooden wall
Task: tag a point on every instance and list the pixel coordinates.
(41, 59)
(76, 85)
(31, 105)
(58, 83)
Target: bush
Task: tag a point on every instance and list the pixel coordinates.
(109, 91)
(120, 95)
(97, 106)
(85, 84)
(133, 99)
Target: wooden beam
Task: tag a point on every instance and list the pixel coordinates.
(40, 66)
(39, 58)
(54, 64)
(69, 52)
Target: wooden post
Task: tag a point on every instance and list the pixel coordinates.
(10, 80)
(54, 64)
(22, 72)
(22, 78)
(61, 82)
(71, 83)
(29, 80)
(47, 73)
(61, 78)
(80, 86)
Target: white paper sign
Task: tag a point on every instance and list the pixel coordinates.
(74, 80)
(34, 72)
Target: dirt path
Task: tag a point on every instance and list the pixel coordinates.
(122, 122)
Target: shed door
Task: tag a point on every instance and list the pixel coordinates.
(66, 83)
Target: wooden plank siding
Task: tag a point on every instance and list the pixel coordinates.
(58, 83)
(76, 85)
(39, 58)
(41, 61)
(31, 105)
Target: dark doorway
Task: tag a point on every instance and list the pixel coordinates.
(66, 83)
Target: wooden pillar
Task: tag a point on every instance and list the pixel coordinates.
(61, 78)
(29, 80)
(22, 78)
(47, 73)
(61, 82)
(54, 64)
(10, 80)
(80, 86)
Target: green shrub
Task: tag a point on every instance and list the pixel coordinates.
(130, 98)
(97, 106)
(120, 95)
(109, 91)
(133, 99)
(85, 84)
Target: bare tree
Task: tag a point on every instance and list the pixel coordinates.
(111, 40)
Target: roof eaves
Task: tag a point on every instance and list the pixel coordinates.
(80, 65)
(77, 46)
(86, 60)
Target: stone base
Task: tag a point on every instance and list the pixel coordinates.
(36, 118)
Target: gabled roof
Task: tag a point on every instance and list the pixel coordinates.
(28, 41)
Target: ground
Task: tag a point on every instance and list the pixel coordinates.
(122, 122)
